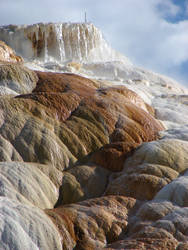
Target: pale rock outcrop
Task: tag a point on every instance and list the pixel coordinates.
(160, 220)
(60, 42)
(170, 152)
(176, 191)
(180, 133)
(25, 183)
(7, 54)
(169, 109)
(16, 79)
(7, 151)
(26, 227)
(7, 91)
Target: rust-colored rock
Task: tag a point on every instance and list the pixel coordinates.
(112, 156)
(94, 222)
(109, 117)
(73, 127)
(79, 157)
(68, 121)
(141, 182)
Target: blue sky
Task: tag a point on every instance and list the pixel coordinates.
(182, 13)
(152, 33)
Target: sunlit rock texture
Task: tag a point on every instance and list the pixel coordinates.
(152, 166)
(26, 227)
(60, 143)
(16, 79)
(84, 162)
(7, 54)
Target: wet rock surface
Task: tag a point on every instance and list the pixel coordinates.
(86, 119)
(84, 163)
(59, 42)
(60, 141)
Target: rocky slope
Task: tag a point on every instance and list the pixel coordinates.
(96, 162)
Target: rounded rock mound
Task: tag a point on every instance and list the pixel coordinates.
(151, 167)
(68, 133)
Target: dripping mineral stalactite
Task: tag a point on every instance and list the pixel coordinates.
(80, 42)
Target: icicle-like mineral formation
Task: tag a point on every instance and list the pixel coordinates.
(62, 42)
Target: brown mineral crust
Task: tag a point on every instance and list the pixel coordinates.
(41, 38)
(59, 108)
(118, 105)
(133, 124)
(112, 156)
(65, 227)
(96, 116)
(153, 232)
(129, 94)
(58, 82)
(145, 244)
(38, 43)
(94, 222)
(142, 186)
(111, 103)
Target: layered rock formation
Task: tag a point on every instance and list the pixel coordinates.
(59, 42)
(84, 163)
(68, 121)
